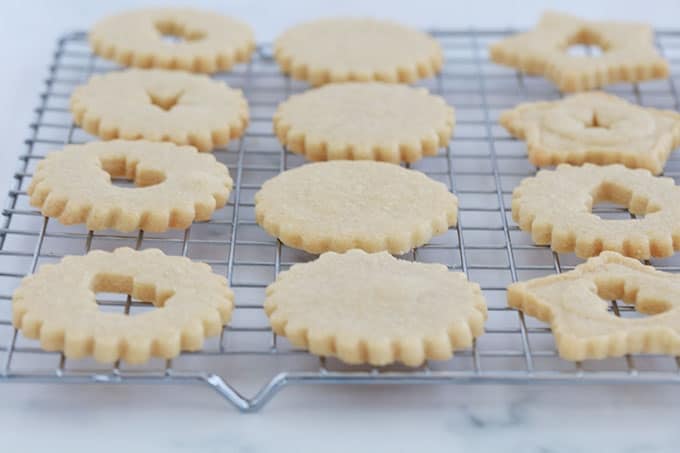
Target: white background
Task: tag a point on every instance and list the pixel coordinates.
(335, 419)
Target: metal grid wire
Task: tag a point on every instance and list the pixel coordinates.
(247, 364)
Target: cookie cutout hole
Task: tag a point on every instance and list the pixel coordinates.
(585, 44)
(164, 103)
(120, 174)
(607, 210)
(613, 202)
(597, 122)
(621, 309)
(630, 303)
(111, 291)
(175, 33)
(583, 50)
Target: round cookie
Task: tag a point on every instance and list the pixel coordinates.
(575, 304)
(341, 205)
(555, 207)
(346, 49)
(208, 42)
(57, 305)
(595, 127)
(160, 105)
(374, 308)
(175, 185)
(372, 120)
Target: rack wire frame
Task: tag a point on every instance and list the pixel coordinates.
(481, 166)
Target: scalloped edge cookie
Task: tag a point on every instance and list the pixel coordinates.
(376, 309)
(555, 207)
(310, 51)
(341, 205)
(57, 305)
(175, 185)
(348, 121)
(210, 42)
(160, 105)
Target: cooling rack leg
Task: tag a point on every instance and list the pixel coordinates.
(267, 393)
(228, 392)
(239, 401)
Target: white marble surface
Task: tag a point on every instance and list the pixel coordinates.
(339, 418)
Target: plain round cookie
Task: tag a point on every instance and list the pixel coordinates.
(346, 49)
(160, 105)
(341, 205)
(594, 127)
(175, 185)
(575, 305)
(372, 120)
(57, 305)
(556, 208)
(210, 42)
(374, 308)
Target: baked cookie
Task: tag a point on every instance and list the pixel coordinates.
(175, 185)
(341, 205)
(160, 105)
(555, 207)
(376, 309)
(372, 120)
(346, 49)
(207, 42)
(628, 52)
(595, 127)
(57, 305)
(575, 304)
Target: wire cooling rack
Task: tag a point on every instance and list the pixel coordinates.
(248, 364)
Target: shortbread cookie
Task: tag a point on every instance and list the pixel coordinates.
(575, 305)
(374, 308)
(628, 52)
(341, 205)
(208, 42)
(160, 105)
(555, 206)
(345, 49)
(373, 120)
(595, 127)
(175, 185)
(57, 305)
